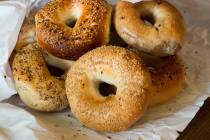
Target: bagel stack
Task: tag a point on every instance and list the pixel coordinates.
(108, 87)
(155, 30)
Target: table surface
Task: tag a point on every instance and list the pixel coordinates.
(199, 127)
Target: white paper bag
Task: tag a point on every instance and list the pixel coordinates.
(159, 123)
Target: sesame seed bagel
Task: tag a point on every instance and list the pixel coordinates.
(153, 26)
(55, 34)
(118, 67)
(36, 87)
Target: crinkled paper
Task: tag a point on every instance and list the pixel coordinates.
(162, 122)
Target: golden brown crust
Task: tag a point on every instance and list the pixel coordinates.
(25, 37)
(36, 87)
(167, 79)
(116, 66)
(164, 36)
(167, 74)
(90, 31)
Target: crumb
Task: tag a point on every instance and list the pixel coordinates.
(56, 125)
(83, 85)
(109, 137)
(159, 2)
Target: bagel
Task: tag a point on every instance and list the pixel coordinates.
(27, 33)
(167, 74)
(153, 26)
(57, 62)
(115, 66)
(56, 34)
(36, 87)
(25, 37)
(167, 79)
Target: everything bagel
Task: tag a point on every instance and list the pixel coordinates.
(36, 87)
(55, 33)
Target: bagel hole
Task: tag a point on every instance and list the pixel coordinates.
(106, 89)
(148, 19)
(55, 71)
(71, 22)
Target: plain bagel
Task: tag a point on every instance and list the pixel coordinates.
(56, 32)
(167, 74)
(118, 67)
(153, 26)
